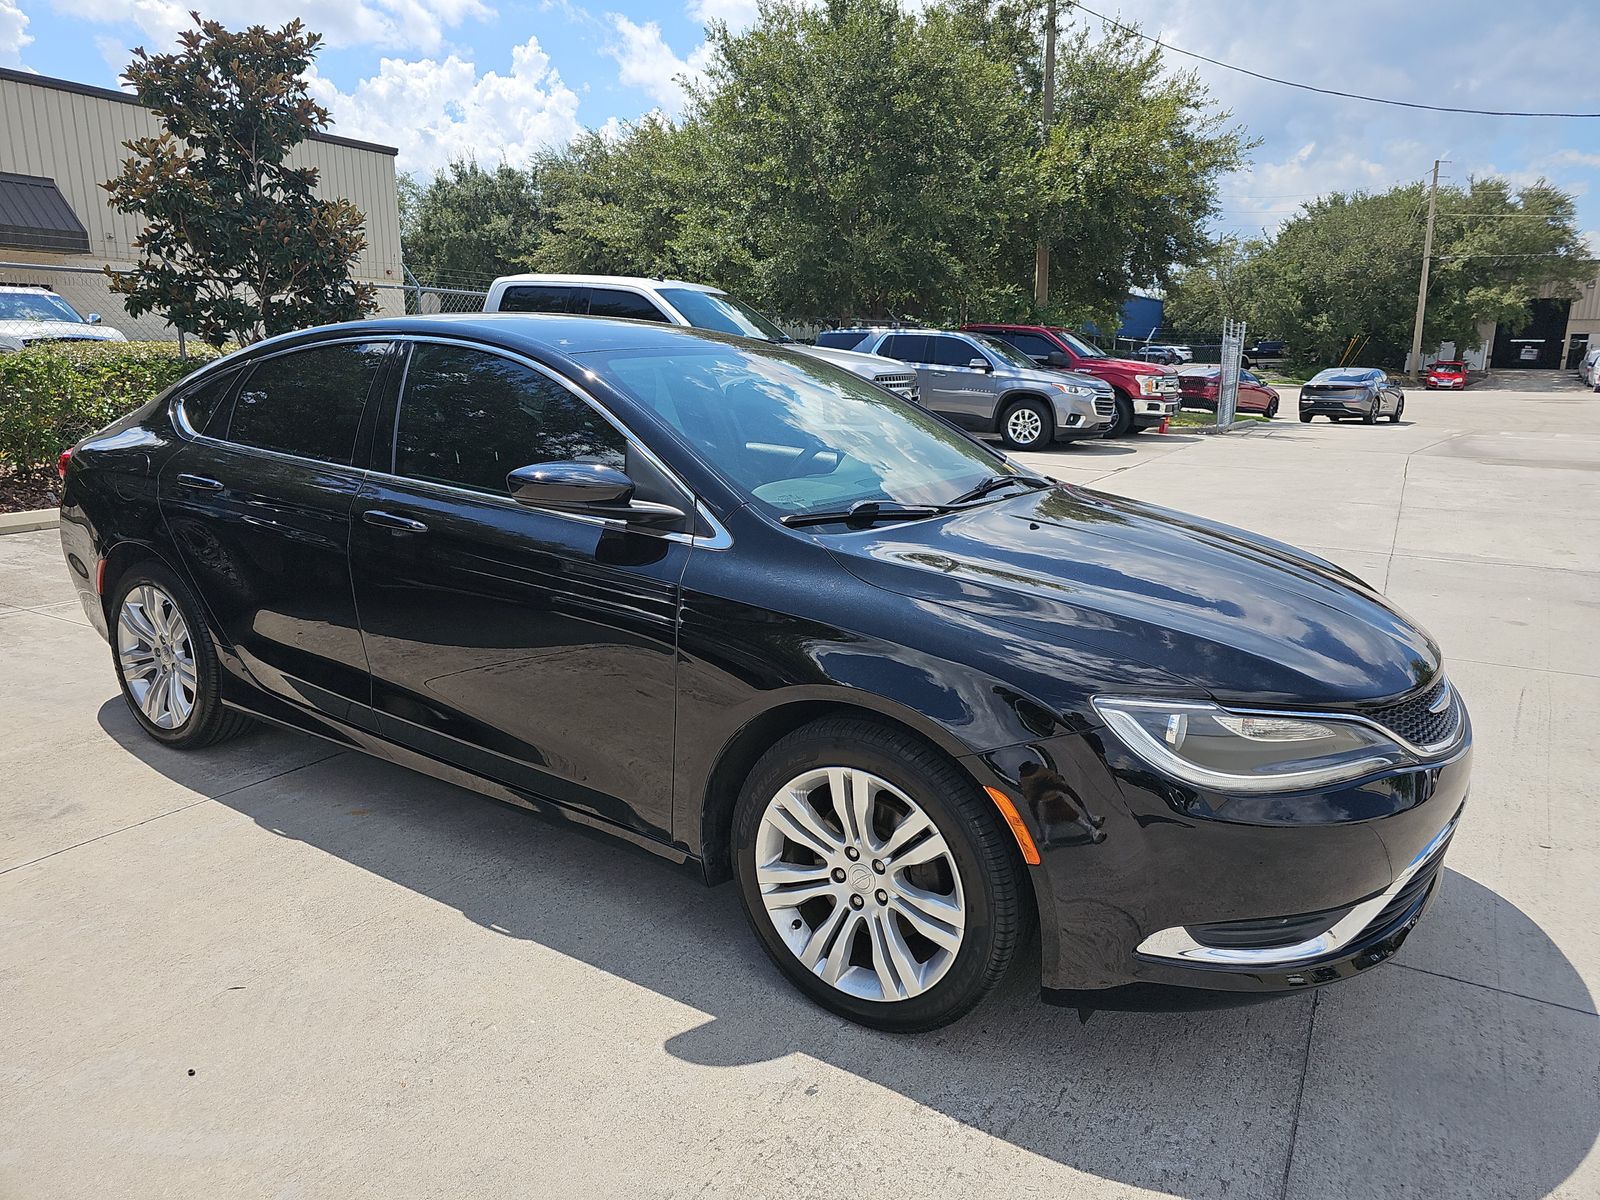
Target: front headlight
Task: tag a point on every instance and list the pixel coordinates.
(1073, 389)
(1147, 385)
(1209, 747)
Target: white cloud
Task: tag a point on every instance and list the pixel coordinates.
(737, 13)
(435, 111)
(13, 33)
(395, 24)
(645, 61)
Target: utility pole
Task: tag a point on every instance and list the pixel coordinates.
(1041, 255)
(1422, 286)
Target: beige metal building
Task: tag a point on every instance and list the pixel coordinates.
(59, 141)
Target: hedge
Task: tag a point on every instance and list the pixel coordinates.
(51, 395)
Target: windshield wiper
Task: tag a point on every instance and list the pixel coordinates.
(995, 482)
(867, 512)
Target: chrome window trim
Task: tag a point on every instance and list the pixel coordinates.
(1177, 945)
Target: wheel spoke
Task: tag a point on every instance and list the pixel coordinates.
(805, 827)
(929, 849)
(188, 677)
(137, 663)
(137, 620)
(884, 962)
(851, 794)
(151, 701)
(788, 885)
(914, 825)
(905, 963)
(937, 920)
(838, 960)
(822, 936)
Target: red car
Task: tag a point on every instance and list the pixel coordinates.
(1147, 394)
(1198, 386)
(1447, 375)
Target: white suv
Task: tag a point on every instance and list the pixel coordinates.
(674, 302)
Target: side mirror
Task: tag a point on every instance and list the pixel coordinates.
(92, 319)
(589, 489)
(1057, 358)
(979, 364)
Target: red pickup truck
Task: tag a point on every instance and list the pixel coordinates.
(1147, 394)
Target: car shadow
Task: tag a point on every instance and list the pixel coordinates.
(1366, 1081)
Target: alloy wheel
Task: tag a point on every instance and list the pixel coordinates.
(156, 653)
(1024, 426)
(859, 884)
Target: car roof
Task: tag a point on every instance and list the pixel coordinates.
(634, 281)
(541, 334)
(27, 287)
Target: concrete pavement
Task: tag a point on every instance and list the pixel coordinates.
(385, 986)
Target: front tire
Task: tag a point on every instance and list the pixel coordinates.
(1394, 417)
(1123, 421)
(165, 662)
(1305, 418)
(1027, 425)
(1272, 409)
(876, 875)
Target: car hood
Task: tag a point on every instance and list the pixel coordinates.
(854, 360)
(39, 331)
(1051, 376)
(1129, 364)
(1242, 618)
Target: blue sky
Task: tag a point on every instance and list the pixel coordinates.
(441, 78)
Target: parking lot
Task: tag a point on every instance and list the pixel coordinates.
(277, 969)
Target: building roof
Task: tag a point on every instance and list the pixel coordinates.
(34, 215)
(100, 93)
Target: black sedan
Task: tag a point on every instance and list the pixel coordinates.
(1353, 393)
(748, 611)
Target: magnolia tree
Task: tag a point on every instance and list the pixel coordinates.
(236, 245)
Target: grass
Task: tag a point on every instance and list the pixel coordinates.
(1192, 419)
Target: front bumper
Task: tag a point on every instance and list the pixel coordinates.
(1152, 410)
(1138, 874)
(1082, 417)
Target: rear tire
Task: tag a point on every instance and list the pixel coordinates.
(852, 937)
(1394, 417)
(166, 664)
(1305, 418)
(1370, 417)
(1027, 425)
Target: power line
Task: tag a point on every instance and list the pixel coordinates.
(1306, 87)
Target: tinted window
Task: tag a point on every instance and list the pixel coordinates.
(607, 302)
(1034, 345)
(841, 339)
(952, 352)
(469, 418)
(308, 402)
(543, 298)
(202, 403)
(907, 347)
(721, 312)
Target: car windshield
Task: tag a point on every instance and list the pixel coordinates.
(796, 434)
(1079, 347)
(1005, 351)
(36, 306)
(1447, 366)
(721, 313)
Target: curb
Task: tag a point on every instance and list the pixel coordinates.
(27, 522)
(1236, 427)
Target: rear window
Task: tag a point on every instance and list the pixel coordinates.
(202, 402)
(544, 298)
(608, 302)
(841, 339)
(308, 402)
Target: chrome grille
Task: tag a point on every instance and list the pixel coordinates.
(1414, 721)
(1167, 384)
(903, 385)
(1105, 406)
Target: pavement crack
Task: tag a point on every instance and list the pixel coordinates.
(170, 812)
(1489, 987)
(1299, 1097)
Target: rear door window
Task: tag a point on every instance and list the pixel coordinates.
(202, 403)
(907, 347)
(544, 298)
(952, 352)
(610, 302)
(1034, 345)
(308, 402)
(469, 418)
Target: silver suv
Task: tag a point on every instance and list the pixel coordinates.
(988, 386)
(676, 303)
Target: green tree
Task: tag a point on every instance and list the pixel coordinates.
(1339, 279)
(235, 244)
(469, 224)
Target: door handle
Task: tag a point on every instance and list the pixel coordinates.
(200, 483)
(385, 520)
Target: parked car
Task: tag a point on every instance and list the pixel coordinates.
(985, 385)
(1268, 348)
(1198, 388)
(1589, 367)
(1363, 393)
(1447, 374)
(1146, 394)
(1167, 356)
(747, 611)
(676, 303)
(36, 314)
